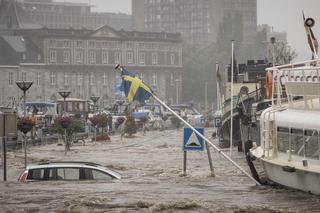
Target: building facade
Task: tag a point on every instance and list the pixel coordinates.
(63, 15)
(197, 20)
(82, 61)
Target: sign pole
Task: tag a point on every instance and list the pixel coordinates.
(210, 160)
(207, 140)
(4, 150)
(184, 163)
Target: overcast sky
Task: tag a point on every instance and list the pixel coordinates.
(283, 15)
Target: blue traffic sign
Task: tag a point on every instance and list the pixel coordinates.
(217, 122)
(191, 141)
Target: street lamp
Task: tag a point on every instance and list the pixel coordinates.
(95, 99)
(24, 86)
(64, 95)
(177, 90)
(206, 96)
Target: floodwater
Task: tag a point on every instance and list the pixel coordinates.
(151, 167)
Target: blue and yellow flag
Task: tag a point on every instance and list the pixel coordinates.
(134, 88)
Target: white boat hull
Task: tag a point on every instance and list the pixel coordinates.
(294, 178)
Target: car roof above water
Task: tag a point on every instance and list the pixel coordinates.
(70, 164)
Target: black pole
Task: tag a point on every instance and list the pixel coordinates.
(4, 159)
(184, 163)
(4, 149)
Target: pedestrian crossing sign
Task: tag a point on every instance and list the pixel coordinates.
(191, 141)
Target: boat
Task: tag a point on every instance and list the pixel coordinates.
(289, 149)
(248, 90)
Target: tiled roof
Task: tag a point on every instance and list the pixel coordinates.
(16, 42)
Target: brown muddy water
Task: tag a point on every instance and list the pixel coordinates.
(151, 167)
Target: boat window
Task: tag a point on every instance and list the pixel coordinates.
(314, 78)
(283, 139)
(311, 146)
(296, 140)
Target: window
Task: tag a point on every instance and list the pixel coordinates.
(171, 80)
(130, 57)
(141, 76)
(296, 140)
(23, 76)
(105, 57)
(79, 78)
(10, 78)
(66, 78)
(35, 174)
(52, 78)
(79, 57)
(311, 145)
(66, 57)
(92, 79)
(105, 78)
(79, 44)
(142, 58)
(130, 45)
(91, 44)
(24, 57)
(172, 59)
(68, 173)
(53, 56)
(92, 57)
(66, 44)
(283, 139)
(117, 58)
(154, 58)
(98, 175)
(38, 80)
(154, 79)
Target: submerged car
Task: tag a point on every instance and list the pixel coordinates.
(67, 170)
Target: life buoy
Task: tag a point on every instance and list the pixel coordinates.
(268, 85)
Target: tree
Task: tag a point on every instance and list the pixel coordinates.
(281, 53)
(130, 125)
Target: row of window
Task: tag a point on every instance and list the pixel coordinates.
(79, 78)
(298, 141)
(92, 58)
(92, 44)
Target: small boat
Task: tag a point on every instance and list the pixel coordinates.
(289, 148)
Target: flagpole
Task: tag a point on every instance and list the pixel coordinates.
(207, 140)
(218, 87)
(231, 98)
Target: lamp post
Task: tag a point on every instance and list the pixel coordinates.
(95, 100)
(64, 95)
(177, 90)
(24, 86)
(206, 96)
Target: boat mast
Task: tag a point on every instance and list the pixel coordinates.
(231, 98)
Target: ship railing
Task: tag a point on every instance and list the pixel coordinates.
(269, 133)
(296, 81)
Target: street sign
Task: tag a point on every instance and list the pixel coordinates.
(217, 122)
(191, 141)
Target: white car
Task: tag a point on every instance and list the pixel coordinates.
(67, 170)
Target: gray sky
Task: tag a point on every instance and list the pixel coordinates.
(283, 15)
